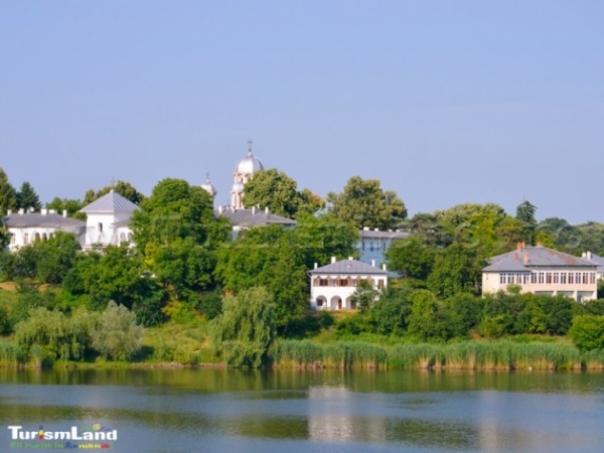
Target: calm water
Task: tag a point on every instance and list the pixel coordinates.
(216, 410)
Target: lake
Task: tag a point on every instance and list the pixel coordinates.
(199, 410)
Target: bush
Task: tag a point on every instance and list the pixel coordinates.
(116, 335)
(390, 315)
(245, 330)
(429, 318)
(587, 332)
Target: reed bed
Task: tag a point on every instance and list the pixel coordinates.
(501, 355)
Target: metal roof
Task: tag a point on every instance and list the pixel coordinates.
(109, 203)
(596, 259)
(39, 220)
(529, 257)
(349, 267)
(255, 217)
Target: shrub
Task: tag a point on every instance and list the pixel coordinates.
(116, 336)
(429, 318)
(587, 332)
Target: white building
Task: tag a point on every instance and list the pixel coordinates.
(242, 219)
(27, 227)
(597, 260)
(108, 221)
(243, 172)
(373, 244)
(332, 286)
(540, 270)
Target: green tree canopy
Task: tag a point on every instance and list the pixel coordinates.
(275, 190)
(71, 205)
(364, 203)
(411, 257)
(525, 213)
(117, 336)
(8, 195)
(456, 269)
(27, 198)
(124, 188)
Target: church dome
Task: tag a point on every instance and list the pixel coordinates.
(237, 187)
(249, 164)
(209, 187)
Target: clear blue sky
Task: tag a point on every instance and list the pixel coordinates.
(445, 101)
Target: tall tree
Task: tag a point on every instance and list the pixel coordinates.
(525, 213)
(27, 198)
(8, 196)
(412, 257)
(275, 190)
(124, 188)
(364, 204)
(71, 205)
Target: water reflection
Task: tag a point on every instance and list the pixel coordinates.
(175, 410)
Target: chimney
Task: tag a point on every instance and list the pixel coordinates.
(333, 259)
(220, 209)
(384, 267)
(365, 228)
(316, 265)
(539, 244)
(253, 210)
(376, 229)
(43, 211)
(52, 211)
(372, 263)
(586, 255)
(350, 258)
(9, 212)
(266, 210)
(21, 211)
(526, 258)
(64, 212)
(30, 210)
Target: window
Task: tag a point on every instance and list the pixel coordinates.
(323, 282)
(502, 279)
(380, 284)
(556, 277)
(571, 278)
(541, 277)
(533, 277)
(37, 237)
(578, 278)
(525, 279)
(548, 277)
(592, 278)
(25, 238)
(343, 282)
(563, 278)
(585, 278)
(100, 227)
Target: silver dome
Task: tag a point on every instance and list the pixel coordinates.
(209, 187)
(249, 165)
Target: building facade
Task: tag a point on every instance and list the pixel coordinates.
(332, 286)
(540, 270)
(597, 260)
(108, 221)
(373, 244)
(27, 227)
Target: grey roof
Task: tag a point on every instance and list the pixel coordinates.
(109, 203)
(36, 219)
(255, 217)
(596, 259)
(349, 267)
(378, 234)
(530, 257)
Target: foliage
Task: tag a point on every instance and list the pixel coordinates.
(27, 198)
(5, 321)
(117, 336)
(456, 270)
(525, 213)
(429, 317)
(72, 206)
(245, 330)
(267, 256)
(8, 195)
(587, 332)
(125, 189)
(364, 297)
(275, 190)
(390, 315)
(364, 204)
(411, 256)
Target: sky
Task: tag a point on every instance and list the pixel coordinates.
(445, 102)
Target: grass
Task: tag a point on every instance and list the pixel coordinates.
(502, 355)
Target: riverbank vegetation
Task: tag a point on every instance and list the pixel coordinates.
(189, 293)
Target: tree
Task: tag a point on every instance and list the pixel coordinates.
(320, 238)
(411, 257)
(8, 196)
(390, 315)
(364, 297)
(364, 204)
(72, 206)
(117, 336)
(27, 198)
(176, 233)
(55, 257)
(245, 330)
(455, 270)
(125, 189)
(465, 312)
(268, 256)
(429, 318)
(525, 213)
(587, 332)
